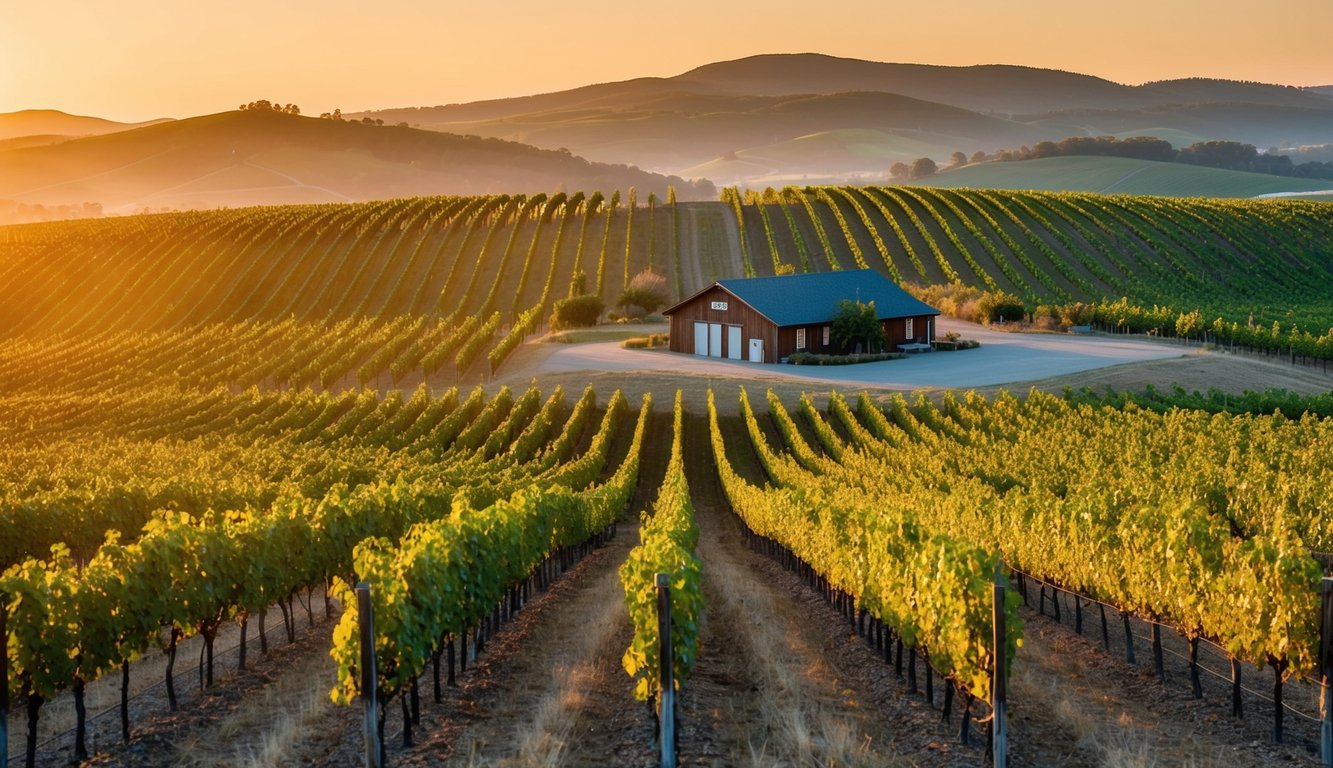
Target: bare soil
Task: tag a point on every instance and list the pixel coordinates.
(783, 679)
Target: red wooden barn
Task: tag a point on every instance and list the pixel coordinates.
(766, 319)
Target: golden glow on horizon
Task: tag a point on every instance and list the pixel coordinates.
(140, 59)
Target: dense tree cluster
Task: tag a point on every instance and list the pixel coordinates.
(1244, 157)
(337, 114)
(264, 105)
(1137, 147)
(1228, 155)
(921, 168)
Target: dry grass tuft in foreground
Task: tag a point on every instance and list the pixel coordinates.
(804, 718)
(268, 729)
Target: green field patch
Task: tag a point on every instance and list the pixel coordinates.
(1119, 175)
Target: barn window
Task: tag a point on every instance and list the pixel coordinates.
(909, 328)
(800, 338)
(827, 328)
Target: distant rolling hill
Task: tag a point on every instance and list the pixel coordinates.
(1119, 175)
(723, 119)
(1202, 90)
(249, 158)
(680, 131)
(987, 88)
(54, 123)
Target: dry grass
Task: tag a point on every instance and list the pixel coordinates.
(805, 722)
(1101, 725)
(585, 637)
(544, 745)
(269, 727)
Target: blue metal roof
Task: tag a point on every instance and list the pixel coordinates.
(813, 297)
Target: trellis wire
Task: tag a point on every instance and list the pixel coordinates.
(185, 680)
(1206, 641)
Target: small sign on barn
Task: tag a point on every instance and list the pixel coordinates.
(767, 319)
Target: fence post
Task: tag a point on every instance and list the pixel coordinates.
(998, 693)
(1326, 674)
(365, 612)
(4, 681)
(666, 698)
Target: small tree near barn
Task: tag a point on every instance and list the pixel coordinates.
(647, 291)
(1000, 306)
(856, 323)
(579, 311)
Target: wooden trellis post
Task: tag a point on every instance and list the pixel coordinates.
(4, 683)
(365, 612)
(666, 701)
(999, 694)
(1326, 674)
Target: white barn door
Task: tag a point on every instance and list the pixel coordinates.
(701, 339)
(715, 340)
(734, 342)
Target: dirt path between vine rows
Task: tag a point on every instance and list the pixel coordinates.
(782, 679)
(709, 246)
(562, 698)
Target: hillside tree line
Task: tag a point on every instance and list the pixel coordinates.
(1227, 155)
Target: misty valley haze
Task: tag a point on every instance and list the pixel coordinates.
(760, 121)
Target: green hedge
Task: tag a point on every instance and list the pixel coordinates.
(807, 358)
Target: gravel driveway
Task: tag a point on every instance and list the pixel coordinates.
(1002, 358)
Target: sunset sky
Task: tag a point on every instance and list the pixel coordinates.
(140, 59)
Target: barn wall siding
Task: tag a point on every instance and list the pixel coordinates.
(895, 331)
(753, 325)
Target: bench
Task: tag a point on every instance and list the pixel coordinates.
(914, 347)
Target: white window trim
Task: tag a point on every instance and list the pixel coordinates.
(800, 338)
(908, 329)
(827, 330)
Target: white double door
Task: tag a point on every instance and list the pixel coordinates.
(708, 340)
